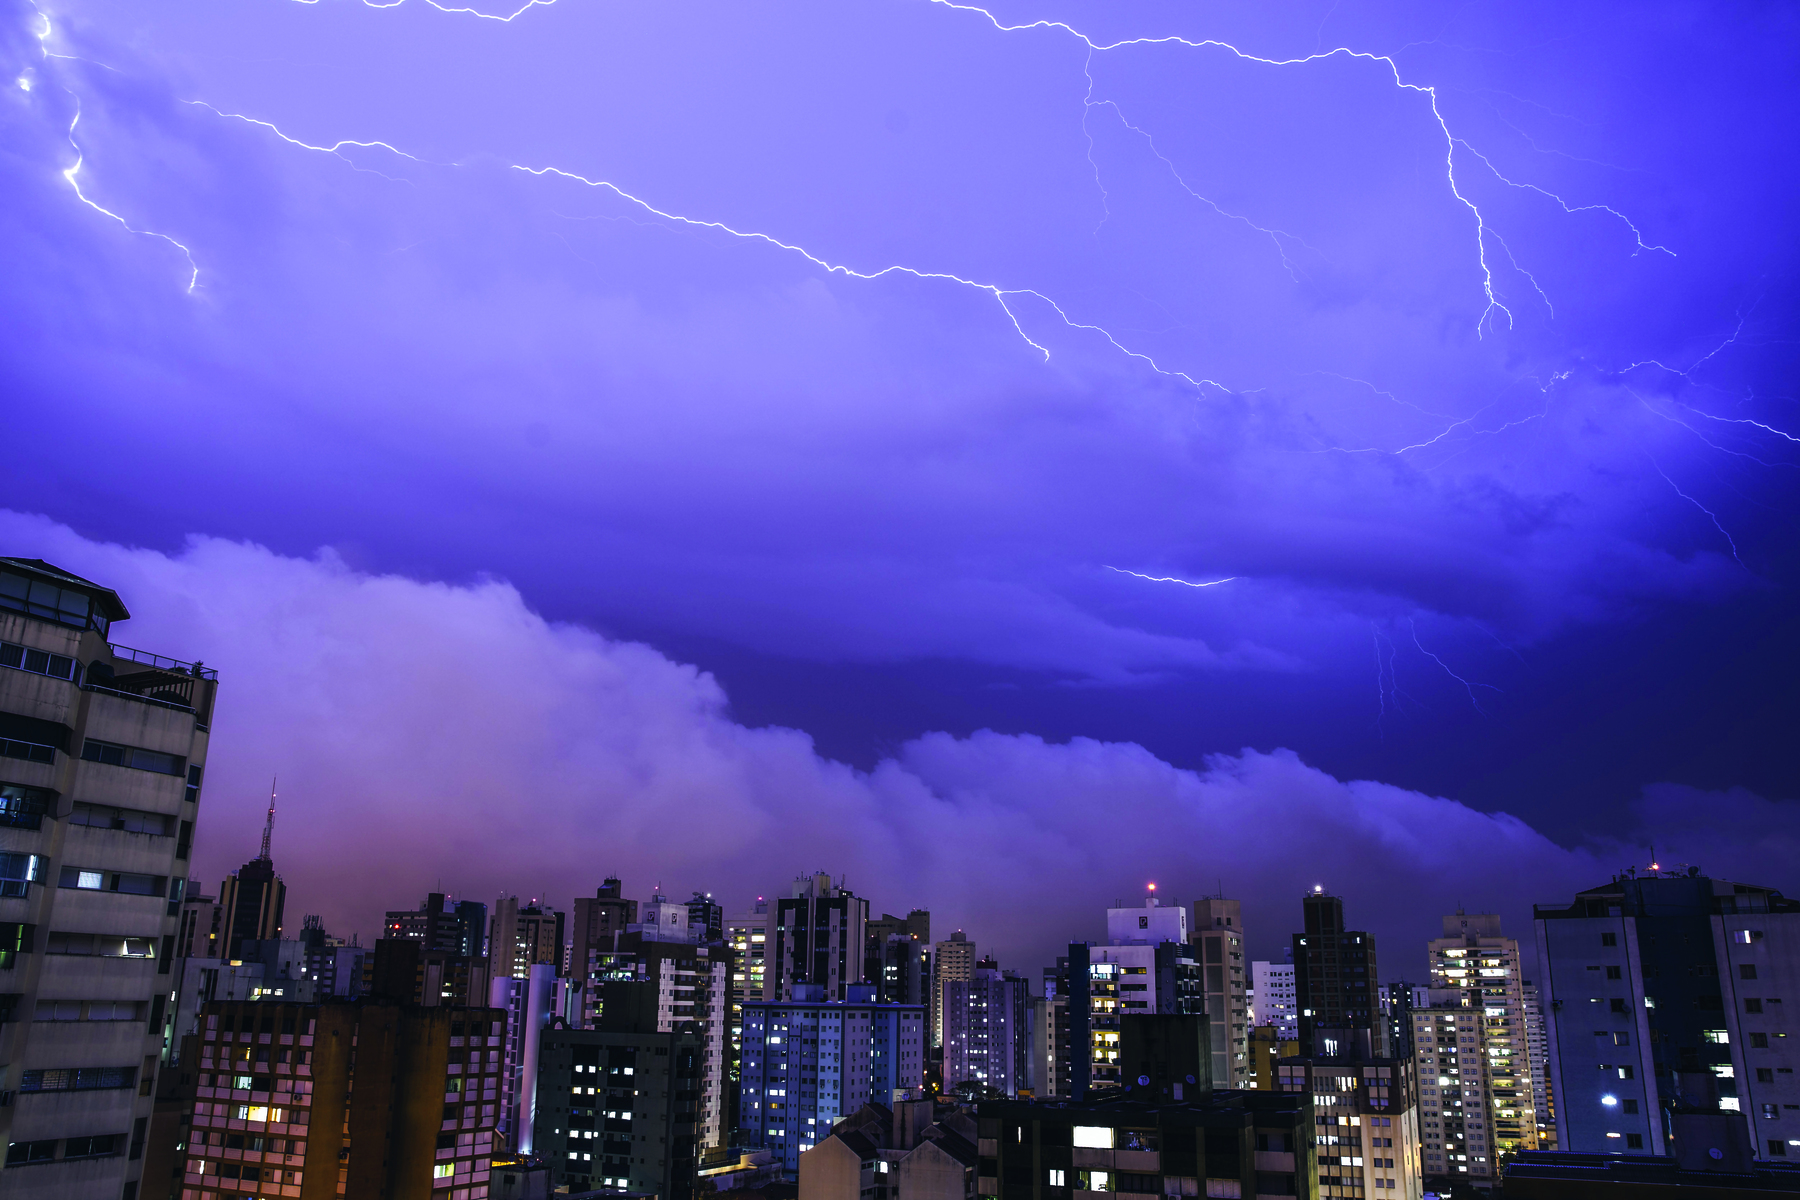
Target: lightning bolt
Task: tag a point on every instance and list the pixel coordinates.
(72, 173)
(1172, 579)
(1467, 684)
(1495, 308)
(1710, 515)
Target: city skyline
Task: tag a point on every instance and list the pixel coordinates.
(1438, 373)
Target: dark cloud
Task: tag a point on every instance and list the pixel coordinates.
(443, 366)
(428, 734)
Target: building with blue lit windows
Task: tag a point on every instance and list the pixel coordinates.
(808, 1062)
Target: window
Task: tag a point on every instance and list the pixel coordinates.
(63, 605)
(1747, 936)
(1621, 1039)
(93, 750)
(1626, 1073)
(20, 1154)
(25, 807)
(131, 820)
(1765, 1075)
(1099, 1137)
(1629, 1106)
(1759, 1041)
(1771, 1112)
(77, 1079)
(89, 1010)
(1057, 1177)
(1777, 1148)
(103, 945)
(1752, 1006)
(1613, 973)
(18, 872)
(15, 939)
(27, 752)
(91, 1147)
(39, 662)
(1634, 1141)
(112, 881)
(443, 1170)
(1618, 1006)
(1746, 970)
(1609, 939)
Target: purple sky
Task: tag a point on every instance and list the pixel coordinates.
(892, 363)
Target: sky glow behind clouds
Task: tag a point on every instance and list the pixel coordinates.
(444, 366)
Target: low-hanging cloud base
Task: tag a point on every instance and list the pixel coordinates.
(432, 735)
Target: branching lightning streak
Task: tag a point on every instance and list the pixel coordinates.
(1000, 294)
(336, 148)
(1636, 233)
(1469, 686)
(1274, 235)
(1494, 304)
(1173, 579)
(1710, 515)
(459, 11)
(71, 174)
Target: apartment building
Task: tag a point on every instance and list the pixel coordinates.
(1218, 939)
(1665, 991)
(102, 753)
(320, 1101)
(809, 1061)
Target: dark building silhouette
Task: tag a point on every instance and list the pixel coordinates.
(1335, 977)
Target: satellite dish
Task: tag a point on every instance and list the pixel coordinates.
(1143, 1081)
(1191, 1079)
(1715, 1153)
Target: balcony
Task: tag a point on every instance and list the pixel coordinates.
(169, 683)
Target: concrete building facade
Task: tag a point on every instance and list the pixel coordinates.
(987, 1032)
(1218, 937)
(102, 753)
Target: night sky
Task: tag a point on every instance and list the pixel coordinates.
(1000, 455)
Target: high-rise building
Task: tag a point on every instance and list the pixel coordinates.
(530, 1005)
(523, 934)
(1397, 1001)
(603, 915)
(897, 957)
(1365, 1118)
(405, 971)
(328, 1100)
(1050, 1072)
(442, 924)
(1274, 1001)
(818, 939)
(747, 943)
(201, 933)
(1537, 1046)
(952, 961)
(1334, 975)
(706, 918)
(1472, 1055)
(1665, 990)
(809, 1061)
(613, 1113)
(987, 1033)
(102, 749)
(668, 982)
(252, 899)
(1149, 966)
(1218, 935)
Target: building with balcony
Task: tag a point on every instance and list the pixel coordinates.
(817, 939)
(618, 1110)
(809, 1061)
(102, 752)
(342, 1099)
(987, 1033)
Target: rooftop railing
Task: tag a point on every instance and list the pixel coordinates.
(163, 664)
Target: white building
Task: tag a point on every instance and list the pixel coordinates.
(1273, 999)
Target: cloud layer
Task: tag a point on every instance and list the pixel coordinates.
(430, 734)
